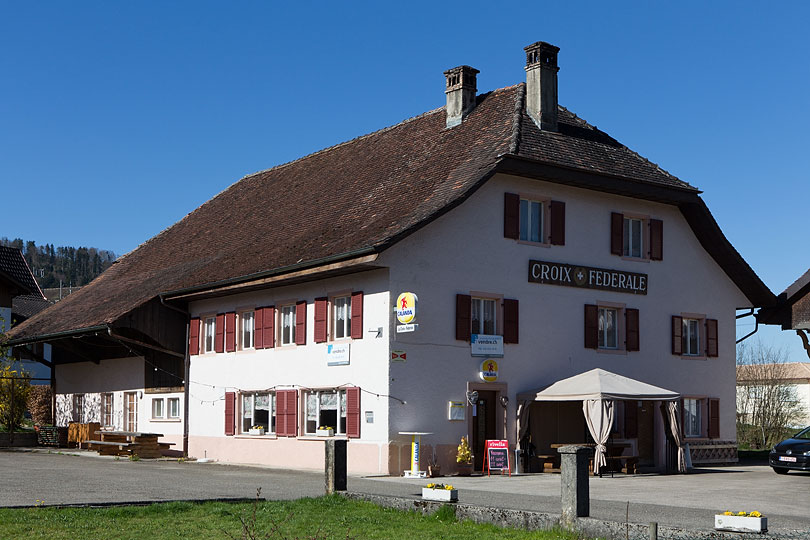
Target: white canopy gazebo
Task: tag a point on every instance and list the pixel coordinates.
(598, 389)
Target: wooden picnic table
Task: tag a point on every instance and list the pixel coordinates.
(128, 443)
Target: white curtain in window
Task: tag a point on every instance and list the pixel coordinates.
(599, 418)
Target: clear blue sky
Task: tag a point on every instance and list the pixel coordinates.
(119, 118)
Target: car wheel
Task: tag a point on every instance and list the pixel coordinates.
(779, 470)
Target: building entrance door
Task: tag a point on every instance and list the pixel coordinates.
(483, 425)
(130, 411)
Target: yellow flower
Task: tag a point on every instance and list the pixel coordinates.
(742, 514)
(448, 487)
(755, 514)
(728, 513)
(431, 486)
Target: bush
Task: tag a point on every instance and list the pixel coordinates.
(39, 405)
(14, 388)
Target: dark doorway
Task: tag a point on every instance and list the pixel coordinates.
(483, 425)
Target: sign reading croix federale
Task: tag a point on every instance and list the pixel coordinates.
(586, 277)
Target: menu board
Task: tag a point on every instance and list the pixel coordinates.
(497, 458)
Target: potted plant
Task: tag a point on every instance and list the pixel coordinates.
(741, 522)
(256, 430)
(325, 431)
(440, 492)
(464, 458)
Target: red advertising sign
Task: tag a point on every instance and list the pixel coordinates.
(497, 456)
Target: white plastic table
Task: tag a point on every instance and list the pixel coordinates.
(414, 471)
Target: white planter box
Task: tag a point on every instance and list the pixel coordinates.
(444, 495)
(259, 431)
(740, 523)
(325, 432)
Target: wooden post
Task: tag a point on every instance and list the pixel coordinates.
(335, 465)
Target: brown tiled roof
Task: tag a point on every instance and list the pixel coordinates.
(789, 371)
(363, 194)
(27, 305)
(14, 270)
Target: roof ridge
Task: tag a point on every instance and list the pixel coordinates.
(517, 118)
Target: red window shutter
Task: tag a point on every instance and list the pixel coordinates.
(591, 326)
(230, 331)
(353, 412)
(511, 215)
(714, 418)
(321, 312)
(230, 413)
(616, 233)
(269, 327)
(630, 419)
(194, 336)
(301, 323)
(557, 223)
(281, 413)
(258, 335)
(510, 321)
(711, 337)
(677, 334)
(291, 413)
(463, 316)
(357, 315)
(631, 329)
(656, 240)
(219, 334)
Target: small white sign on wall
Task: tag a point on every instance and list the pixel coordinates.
(486, 345)
(337, 354)
(455, 410)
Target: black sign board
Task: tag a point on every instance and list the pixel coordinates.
(587, 277)
(497, 458)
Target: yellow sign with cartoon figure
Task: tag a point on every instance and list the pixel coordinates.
(406, 307)
(489, 370)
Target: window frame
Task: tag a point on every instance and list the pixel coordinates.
(162, 406)
(272, 424)
(544, 225)
(209, 333)
(602, 335)
(333, 315)
(108, 409)
(497, 305)
(77, 409)
(341, 414)
(169, 402)
(281, 310)
(242, 319)
(699, 421)
(627, 238)
(697, 333)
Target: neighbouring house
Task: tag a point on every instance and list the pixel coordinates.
(790, 378)
(792, 310)
(417, 279)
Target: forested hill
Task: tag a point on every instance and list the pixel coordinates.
(73, 266)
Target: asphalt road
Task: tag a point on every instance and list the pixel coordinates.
(687, 501)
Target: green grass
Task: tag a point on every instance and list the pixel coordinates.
(332, 517)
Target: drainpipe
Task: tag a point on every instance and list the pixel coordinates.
(186, 373)
(754, 331)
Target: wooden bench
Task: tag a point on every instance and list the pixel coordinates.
(547, 461)
(625, 464)
(109, 448)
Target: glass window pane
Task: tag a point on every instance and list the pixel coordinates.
(524, 219)
(329, 401)
(636, 238)
(536, 221)
(476, 316)
(626, 238)
(312, 406)
(489, 317)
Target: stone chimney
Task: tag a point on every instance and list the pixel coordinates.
(460, 92)
(541, 84)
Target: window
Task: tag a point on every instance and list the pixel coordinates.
(690, 340)
(342, 317)
(130, 411)
(210, 332)
(157, 408)
(611, 327)
(692, 420)
(174, 407)
(608, 328)
(531, 220)
(288, 325)
(107, 414)
(259, 409)
(636, 237)
(325, 408)
(632, 241)
(478, 315)
(247, 330)
(483, 316)
(694, 335)
(78, 408)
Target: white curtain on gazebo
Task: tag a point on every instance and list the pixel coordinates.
(675, 429)
(599, 418)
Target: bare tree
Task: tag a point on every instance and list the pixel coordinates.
(767, 402)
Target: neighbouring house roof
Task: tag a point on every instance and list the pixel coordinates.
(789, 371)
(14, 271)
(792, 309)
(26, 306)
(362, 196)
